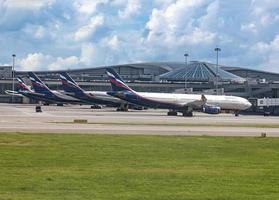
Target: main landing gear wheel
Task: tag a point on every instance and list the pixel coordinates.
(172, 113)
(236, 114)
(38, 109)
(123, 108)
(187, 114)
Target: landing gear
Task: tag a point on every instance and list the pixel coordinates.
(187, 114)
(172, 113)
(236, 113)
(38, 109)
(96, 106)
(123, 108)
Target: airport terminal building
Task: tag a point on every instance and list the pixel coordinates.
(170, 77)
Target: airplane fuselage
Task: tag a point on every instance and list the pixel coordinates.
(181, 101)
(97, 97)
(61, 98)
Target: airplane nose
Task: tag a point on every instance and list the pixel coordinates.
(248, 104)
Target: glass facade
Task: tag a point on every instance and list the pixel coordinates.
(200, 71)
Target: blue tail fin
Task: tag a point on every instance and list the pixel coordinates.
(69, 85)
(38, 85)
(116, 81)
(22, 85)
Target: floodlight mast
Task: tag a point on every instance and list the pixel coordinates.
(186, 65)
(13, 76)
(217, 49)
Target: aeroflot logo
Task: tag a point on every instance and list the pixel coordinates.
(110, 74)
(22, 85)
(63, 77)
(36, 82)
(117, 80)
(66, 81)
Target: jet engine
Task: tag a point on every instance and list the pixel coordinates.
(211, 109)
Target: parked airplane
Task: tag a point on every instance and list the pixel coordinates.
(22, 88)
(48, 94)
(184, 103)
(92, 97)
(25, 90)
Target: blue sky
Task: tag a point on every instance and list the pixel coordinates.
(55, 34)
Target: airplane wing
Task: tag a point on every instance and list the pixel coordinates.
(197, 103)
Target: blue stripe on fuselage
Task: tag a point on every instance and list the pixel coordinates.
(143, 101)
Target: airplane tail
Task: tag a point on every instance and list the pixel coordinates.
(69, 85)
(117, 83)
(22, 85)
(38, 85)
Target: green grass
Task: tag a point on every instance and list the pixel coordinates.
(76, 167)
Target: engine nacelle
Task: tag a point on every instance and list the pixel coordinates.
(211, 109)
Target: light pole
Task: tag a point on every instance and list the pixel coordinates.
(13, 76)
(186, 65)
(217, 68)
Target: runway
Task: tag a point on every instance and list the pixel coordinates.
(54, 119)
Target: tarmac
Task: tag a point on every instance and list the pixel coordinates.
(21, 118)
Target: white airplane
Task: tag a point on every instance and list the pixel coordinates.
(25, 90)
(184, 103)
(50, 95)
(72, 89)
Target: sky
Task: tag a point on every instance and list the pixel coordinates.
(71, 34)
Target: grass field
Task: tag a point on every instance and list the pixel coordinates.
(76, 167)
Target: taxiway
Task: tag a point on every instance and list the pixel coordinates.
(23, 119)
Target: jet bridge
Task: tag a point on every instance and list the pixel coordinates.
(269, 106)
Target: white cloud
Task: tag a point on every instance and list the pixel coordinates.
(26, 4)
(174, 24)
(163, 3)
(269, 53)
(86, 31)
(88, 53)
(173, 17)
(88, 6)
(39, 61)
(199, 36)
(113, 42)
(132, 8)
(211, 19)
(79, 33)
(38, 32)
(35, 61)
(118, 3)
(64, 63)
(249, 28)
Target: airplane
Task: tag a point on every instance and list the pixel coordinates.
(22, 88)
(25, 90)
(184, 103)
(92, 97)
(50, 95)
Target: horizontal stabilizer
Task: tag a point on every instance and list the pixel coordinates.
(13, 93)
